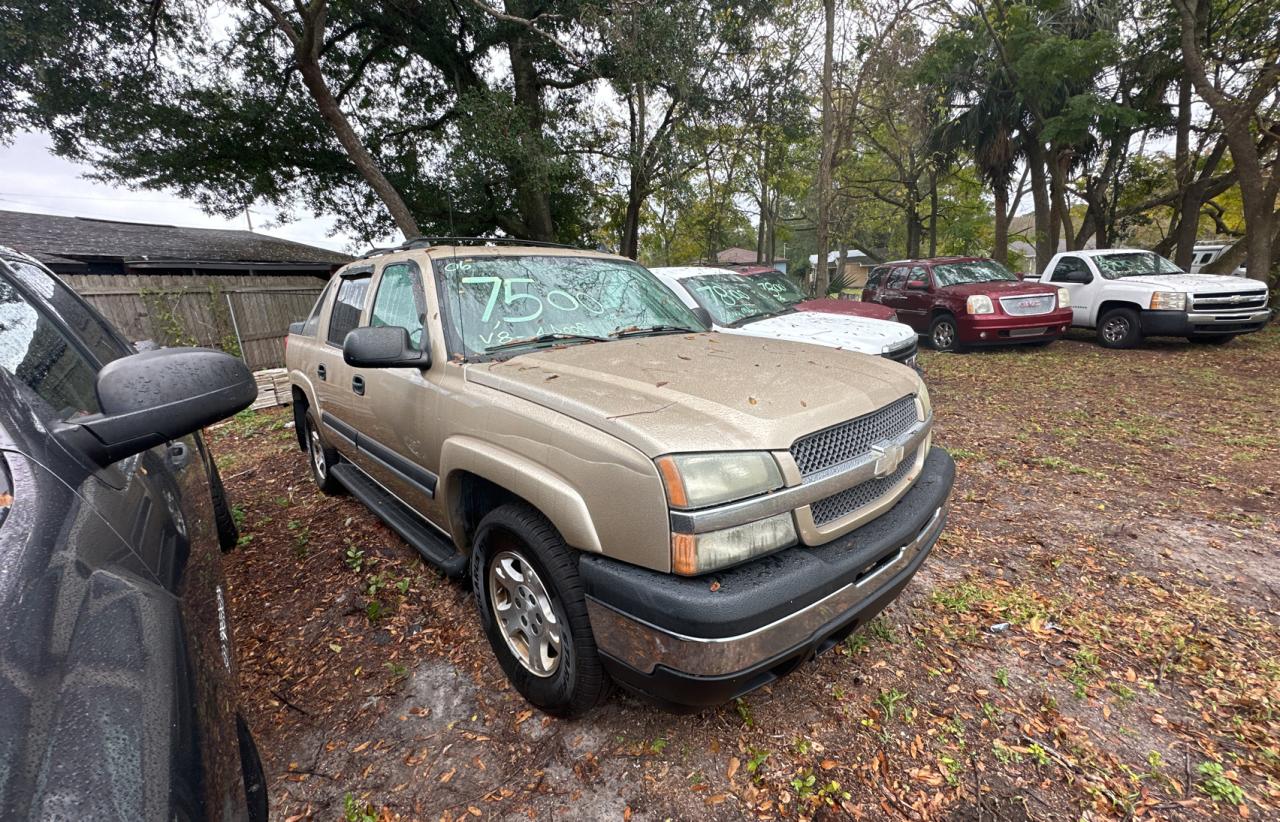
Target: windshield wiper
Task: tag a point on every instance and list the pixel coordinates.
(544, 338)
(654, 329)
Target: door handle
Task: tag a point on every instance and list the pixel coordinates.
(321, 372)
(357, 384)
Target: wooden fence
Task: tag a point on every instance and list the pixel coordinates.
(247, 315)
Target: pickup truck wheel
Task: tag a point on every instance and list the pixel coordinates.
(534, 613)
(321, 458)
(942, 334)
(1120, 328)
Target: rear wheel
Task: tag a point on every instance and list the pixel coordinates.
(1119, 328)
(534, 613)
(321, 458)
(1212, 339)
(943, 335)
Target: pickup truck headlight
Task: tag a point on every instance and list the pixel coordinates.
(693, 554)
(979, 304)
(1169, 301)
(699, 480)
(1064, 298)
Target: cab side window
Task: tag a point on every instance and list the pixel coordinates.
(33, 349)
(1068, 266)
(312, 324)
(347, 306)
(876, 278)
(920, 273)
(897, 278)
(398, 302)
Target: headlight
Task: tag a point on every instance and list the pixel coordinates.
(923, 404)
(699, 480)
(1168, 301)
(1064, 298)
(980, 304)
(693, 554)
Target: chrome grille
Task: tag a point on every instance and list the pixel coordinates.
(1229, 301)
(1028, 305)
(859, 496)
(852, 439)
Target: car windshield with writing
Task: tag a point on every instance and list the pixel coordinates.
(1135, 264)
(504, 303)
(781, 287)
(731, 299)
(975, 271)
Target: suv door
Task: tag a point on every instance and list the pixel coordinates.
(339, 386)
(398, 439)
(1074, 274)
(916, 302)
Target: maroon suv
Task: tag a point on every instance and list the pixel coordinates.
(961, 301)
(785, 290)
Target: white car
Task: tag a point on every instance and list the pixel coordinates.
(736, 305)
(1203, 254)
(1126, 294)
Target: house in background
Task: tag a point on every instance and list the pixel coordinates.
(746, 257)
(855, 267)
(234, 290)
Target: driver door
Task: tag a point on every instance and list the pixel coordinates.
(1074, 274)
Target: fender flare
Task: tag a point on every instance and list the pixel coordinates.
(548, 492)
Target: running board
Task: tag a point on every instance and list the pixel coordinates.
(434, 548)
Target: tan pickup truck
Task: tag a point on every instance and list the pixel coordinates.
(633, 498)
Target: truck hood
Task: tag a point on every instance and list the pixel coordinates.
(998, 288)
(855, 307)
(701, 392)
(861, 334)
(1196, 283)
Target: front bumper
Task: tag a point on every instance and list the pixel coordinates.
(685, 645)
(1197, 323)
(1004, 329)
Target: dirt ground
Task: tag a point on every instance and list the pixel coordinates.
(1095, 635)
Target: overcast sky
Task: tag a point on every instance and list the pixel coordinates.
(33, 179)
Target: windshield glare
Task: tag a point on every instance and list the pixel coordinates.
(1134, 264)
(976, 271)
(779, 286)
(732, 298)
(492, 300)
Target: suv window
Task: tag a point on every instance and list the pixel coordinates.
(876, 275)
(1068, 265)
(897, 278)
(61, 379)
(397, 302)
(103, 342)
(347, 306)
(312, 325)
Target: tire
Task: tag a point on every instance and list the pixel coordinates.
(1119, 328)
(320, 458)
(943, 335)
(255, 779)
(542, 593)
(1212, 339)
(223, 519)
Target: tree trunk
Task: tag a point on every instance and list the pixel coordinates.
(827, 161)
(630, 245)
(933, 213)
(1045, 247)
(1000, 249)
(532, 198)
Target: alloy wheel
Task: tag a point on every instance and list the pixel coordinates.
(1115, 329)
(944, 336)
(317, 451)
(525, 614)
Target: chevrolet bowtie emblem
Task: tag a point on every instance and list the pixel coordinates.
(888, 456)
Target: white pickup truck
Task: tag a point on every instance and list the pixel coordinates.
(1126, 294)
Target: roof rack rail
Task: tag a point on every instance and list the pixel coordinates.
(427, 242)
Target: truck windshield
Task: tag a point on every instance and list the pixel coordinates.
(781, 287)
(1134, 264)
(732, 299)
(974, 271)
(507, 302)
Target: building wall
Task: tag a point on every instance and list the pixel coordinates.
(242, 313)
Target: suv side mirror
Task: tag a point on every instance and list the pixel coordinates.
(384, 346)
(917, 285)
(156, 396)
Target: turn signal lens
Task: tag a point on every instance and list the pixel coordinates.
(693, 554)
(673, 482)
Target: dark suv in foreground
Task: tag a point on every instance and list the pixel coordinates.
(118, 683)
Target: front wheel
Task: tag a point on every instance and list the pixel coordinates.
(321, 458)
(534, 613)
(943, 335)
(1120, 328)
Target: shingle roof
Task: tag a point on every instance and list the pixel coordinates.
(740, 256)
(49, 237)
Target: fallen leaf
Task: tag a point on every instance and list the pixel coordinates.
(715, 585)
(753, 400)
(734, 764)
(448, 774)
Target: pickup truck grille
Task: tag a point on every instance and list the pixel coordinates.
(859, 496)
(1229, 301)
(850, 440)
(1028, 305)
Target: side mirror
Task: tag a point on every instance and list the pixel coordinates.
(296, 328)
(384, 346)
(703, 315)
(1081, 277)
(917, 285)
(156, 396)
